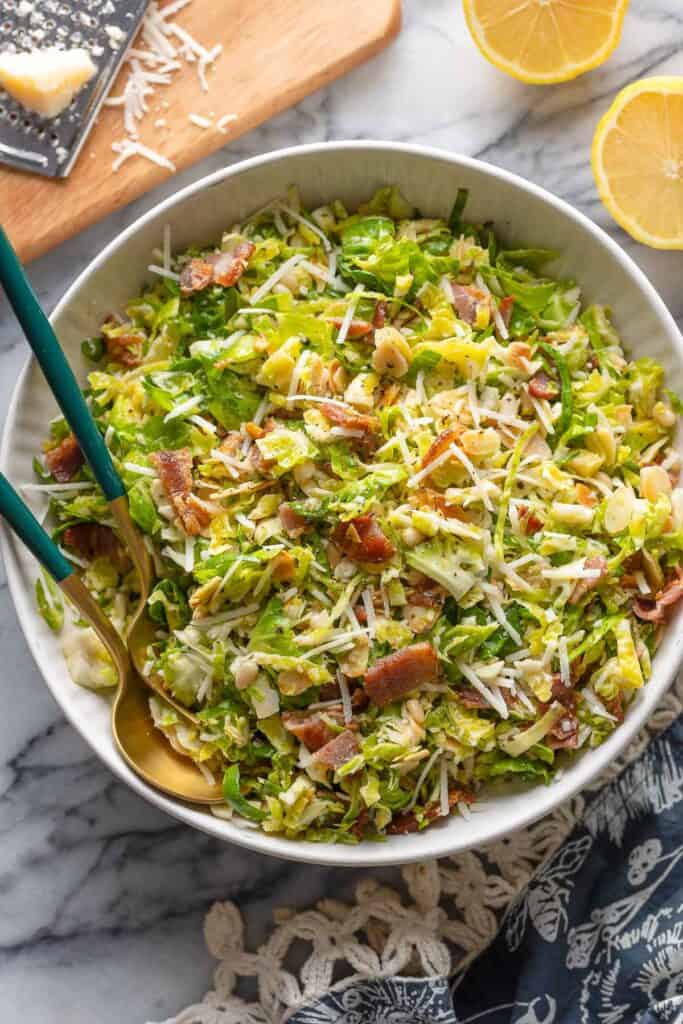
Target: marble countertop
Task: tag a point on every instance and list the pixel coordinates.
(102, 896)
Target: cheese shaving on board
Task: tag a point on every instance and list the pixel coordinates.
(158, 64)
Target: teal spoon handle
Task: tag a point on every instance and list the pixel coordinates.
(22, 521)
(58, 373)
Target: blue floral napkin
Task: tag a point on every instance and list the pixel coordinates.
(595, 938)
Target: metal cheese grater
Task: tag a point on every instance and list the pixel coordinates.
(105, 28)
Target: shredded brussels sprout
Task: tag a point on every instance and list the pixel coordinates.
(413, 513)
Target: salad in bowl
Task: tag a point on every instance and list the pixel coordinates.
(413, 513)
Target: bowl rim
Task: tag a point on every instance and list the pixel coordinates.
(436, 842)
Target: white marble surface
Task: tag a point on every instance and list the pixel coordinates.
(101, 897)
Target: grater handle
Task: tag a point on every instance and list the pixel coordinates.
(47, 350)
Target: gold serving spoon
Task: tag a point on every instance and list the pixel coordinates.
(144, 747)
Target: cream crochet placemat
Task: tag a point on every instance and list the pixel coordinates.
(449, 912)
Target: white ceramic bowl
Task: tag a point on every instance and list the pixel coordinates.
(350, 170)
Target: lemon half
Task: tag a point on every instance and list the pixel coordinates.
(638, 161)
(544, 41)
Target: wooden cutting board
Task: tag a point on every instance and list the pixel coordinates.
(275, 52)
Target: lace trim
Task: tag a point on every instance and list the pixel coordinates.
(454, 910)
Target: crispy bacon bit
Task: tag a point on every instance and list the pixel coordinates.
(357, 328)
(310, 729)
(361, 823)
(585, 585)
(64, 460)
(293, 524)
(228, 267)
(91, 540)
(647, 611)
(362, 540)
(466, 299)
(338, 751)
(471, 698)
(530, 522)
(565, 733)
(330, 691)
(665, 599)
(380, 315)
(426, 595)
(223, 268)
(405, 823)
(254, 431)
(505, 307)
(126, 349)
(196, 275)
(445, 439)
(432, 499)
(616, 706)
(349, 419)
(565, 695)
(399, 673)
(543, 386)
(175, 473)
(585, 496)
(284, 567)
(359, 699)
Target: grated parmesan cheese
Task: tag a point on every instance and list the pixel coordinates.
(345, 697)
(491, 696)
(443, 787)
(281, 271)
(223, 122)
(199, 121)
(161, 59)
(565, 671)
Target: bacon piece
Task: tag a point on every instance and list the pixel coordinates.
(585, 585)
(349, 419)
(585, 496)
(543, 386)
(175, 473)
(330, 691)
(647, 611)
(362, 540)
(399, 673)
(284, 567)
(126, 349)
(565, 695)
(338, 751)
(196, 275)
(616, 706)
(426, 595)
(380, 315)
(471, 698)
(311, 729)
(433, 499)
(92, 540)
(357, 328)
(361, 823)
(293, 524)
(443, 442)
(466, 300)
(530, 522)
(505, 307)
(668, 596)
(228, 267)
(65, 460)
(405, 823)
(565, 733)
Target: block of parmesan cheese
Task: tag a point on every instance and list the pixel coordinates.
(45, 81)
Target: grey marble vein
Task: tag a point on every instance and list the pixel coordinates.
(101, 896)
